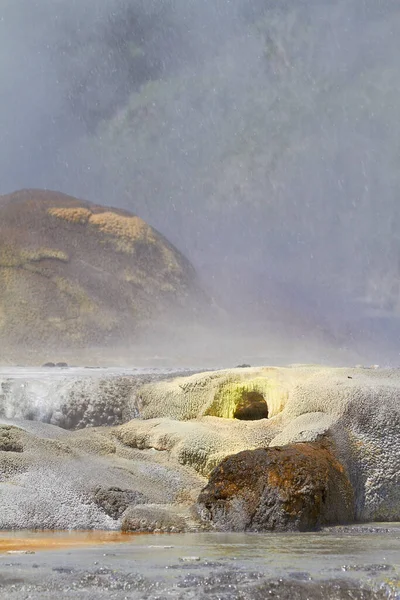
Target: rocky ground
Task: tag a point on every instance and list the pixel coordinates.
(198, 456)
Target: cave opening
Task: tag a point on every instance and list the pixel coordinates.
(252, 407)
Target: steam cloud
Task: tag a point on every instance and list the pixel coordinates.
(261, 137)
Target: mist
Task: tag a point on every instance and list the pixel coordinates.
(261, 137)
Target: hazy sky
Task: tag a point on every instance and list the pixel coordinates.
(298, 135)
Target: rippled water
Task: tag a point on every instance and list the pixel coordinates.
(351, 562)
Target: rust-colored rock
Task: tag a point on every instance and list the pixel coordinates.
(74, 273)
(295, 487)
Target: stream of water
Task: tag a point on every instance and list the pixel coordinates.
(347, 562)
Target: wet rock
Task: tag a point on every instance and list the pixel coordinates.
(115, 501)
(295, 487)
(154, 518)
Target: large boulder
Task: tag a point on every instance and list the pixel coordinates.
(294, 487)
(74, 273)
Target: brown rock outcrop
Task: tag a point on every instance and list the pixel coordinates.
(74, 273)
(294, 487)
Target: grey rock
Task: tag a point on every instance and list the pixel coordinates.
(155, 518)
(115, 501)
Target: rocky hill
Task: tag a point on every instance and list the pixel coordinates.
(74, 273)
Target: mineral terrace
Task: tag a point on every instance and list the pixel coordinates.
(256, 449)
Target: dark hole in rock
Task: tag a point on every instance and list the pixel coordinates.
(252, 407)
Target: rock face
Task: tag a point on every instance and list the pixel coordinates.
(73, 273)
(296, 487)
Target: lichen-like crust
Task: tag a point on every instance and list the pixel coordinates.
(77, 214)
(129, 229)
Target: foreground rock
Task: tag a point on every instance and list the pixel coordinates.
(74, 273)
(296, 487)
(328, 452)
(153, 518)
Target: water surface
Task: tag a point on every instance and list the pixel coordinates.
(350, 562)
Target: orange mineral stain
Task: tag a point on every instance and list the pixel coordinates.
(57, 540)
